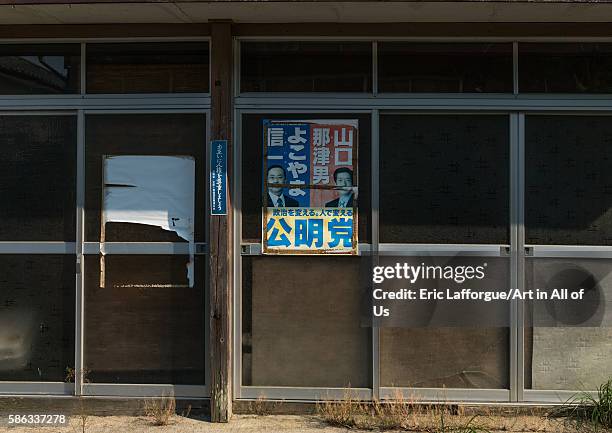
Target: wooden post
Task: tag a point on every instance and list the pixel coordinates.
(221, 233)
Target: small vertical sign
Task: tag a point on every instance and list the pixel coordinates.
(218, 177)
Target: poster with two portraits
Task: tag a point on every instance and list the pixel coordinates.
(310, 187)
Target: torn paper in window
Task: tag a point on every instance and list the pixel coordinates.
(151, 190)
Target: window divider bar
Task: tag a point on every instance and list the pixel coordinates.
(515, 67)
(80, 262)
(145, 248)
(375, 204)
(236, 190)
(514, 275)
(374, 68)
(83, 73)
(9, 247)
(520, 257)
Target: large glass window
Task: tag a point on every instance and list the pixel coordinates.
(306, 67)
(39, 69)
(444, 179)
(38, 178)
(565, 68)
(444, 67)
(154, 67)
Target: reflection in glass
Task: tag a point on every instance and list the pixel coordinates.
(453, 68)
(565, 68)
(306, 67)
(169, 67)
(572, 350)
(39, 69)
(37, 308)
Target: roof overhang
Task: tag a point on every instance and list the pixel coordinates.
(246, 11)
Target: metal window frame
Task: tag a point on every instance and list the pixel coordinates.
(79, 105)
(112, 40)
(531, 395)
(281, 392)
(507, 251)
(376, 391)
(143, 248)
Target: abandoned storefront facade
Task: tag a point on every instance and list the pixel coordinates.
(481, 129)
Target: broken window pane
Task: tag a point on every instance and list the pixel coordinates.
(39, 69)
(38, 178)
(146, 325)
(37, 308)
(162, 158)
(155, 67)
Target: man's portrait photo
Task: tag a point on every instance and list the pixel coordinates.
(276, 197)
(343, 178)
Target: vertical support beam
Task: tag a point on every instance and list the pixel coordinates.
(221, 239)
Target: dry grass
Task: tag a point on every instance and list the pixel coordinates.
(412, 415)
(160, 410)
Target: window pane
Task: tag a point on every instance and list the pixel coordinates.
(456, 68)
(39, 69)
(568, 180)
(571, 354)
(306, 67)
(444, 179)
(411, 357)
(146, 325)
(176, 67)
(565, 68)
(171, 135)
(37, 308)
(38, 178)
(252, 160)
(415, 357)
(303, 337)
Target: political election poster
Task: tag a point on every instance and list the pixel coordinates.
(310, 188)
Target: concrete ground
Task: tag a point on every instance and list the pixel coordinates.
(243, 424)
